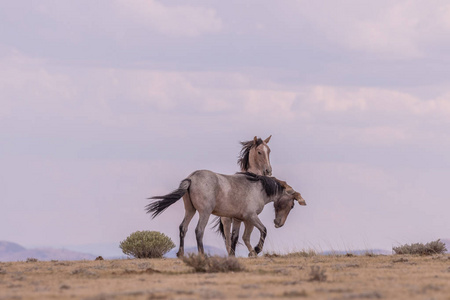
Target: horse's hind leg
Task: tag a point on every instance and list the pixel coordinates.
(200, 229)
(189, 212)
(226, 223)
(246, 238)
(234, 236)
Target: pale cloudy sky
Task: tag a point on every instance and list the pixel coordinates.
(105, 103)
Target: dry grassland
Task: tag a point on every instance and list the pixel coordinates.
(267, 277)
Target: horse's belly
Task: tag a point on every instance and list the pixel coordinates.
(226, 211)
(235, 209)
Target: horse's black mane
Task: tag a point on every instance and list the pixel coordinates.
(243, 160)
(270, 185)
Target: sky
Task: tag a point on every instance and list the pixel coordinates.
(106, 103)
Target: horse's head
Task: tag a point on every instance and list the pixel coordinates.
(285, 203)
(259, 157)
(283, 206)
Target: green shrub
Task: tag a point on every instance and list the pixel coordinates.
(146, 244)
(435, 247)
(212, 264)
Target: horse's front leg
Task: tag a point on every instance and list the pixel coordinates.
(258, 224)
(246, 238)
(234, 236)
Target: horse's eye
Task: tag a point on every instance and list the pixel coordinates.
(259, 152)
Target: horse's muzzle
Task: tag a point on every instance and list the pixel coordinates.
(277, 224)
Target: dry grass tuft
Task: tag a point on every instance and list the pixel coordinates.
(295, 294)
(422, 277)
(317, 274)
(271, 255)
(400, 260)
(303, 253)
(31, 259)
(212, 264)
(431, 248)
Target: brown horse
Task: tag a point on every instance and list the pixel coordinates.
(252, 161)
(254, 158)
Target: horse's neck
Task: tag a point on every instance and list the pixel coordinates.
(268, 199)
(253, 170)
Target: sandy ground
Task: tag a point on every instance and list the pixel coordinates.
(354, 277)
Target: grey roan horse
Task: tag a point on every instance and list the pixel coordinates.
(241, 196)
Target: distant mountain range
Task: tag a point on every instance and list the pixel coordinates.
(14, 252)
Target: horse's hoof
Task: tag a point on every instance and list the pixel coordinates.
(257, 249)
(180, 254)
(252, 254)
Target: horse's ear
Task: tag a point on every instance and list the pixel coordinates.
(299, 199)
(267, 140)
(302, 202)
(255, 140)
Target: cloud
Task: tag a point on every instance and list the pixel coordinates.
(137, 100)
(378, 100)
(390, 30)
(179, 20)
(372, 116)
(29, 87)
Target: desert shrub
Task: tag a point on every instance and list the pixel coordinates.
(146, 244)
(435, 247)
(212, 264)
(317, 274)
(31, 259)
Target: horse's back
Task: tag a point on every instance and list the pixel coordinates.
(224, 195)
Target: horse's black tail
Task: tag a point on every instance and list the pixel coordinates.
(218, 225)
(157, 207)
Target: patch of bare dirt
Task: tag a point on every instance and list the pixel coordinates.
(280, 277)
